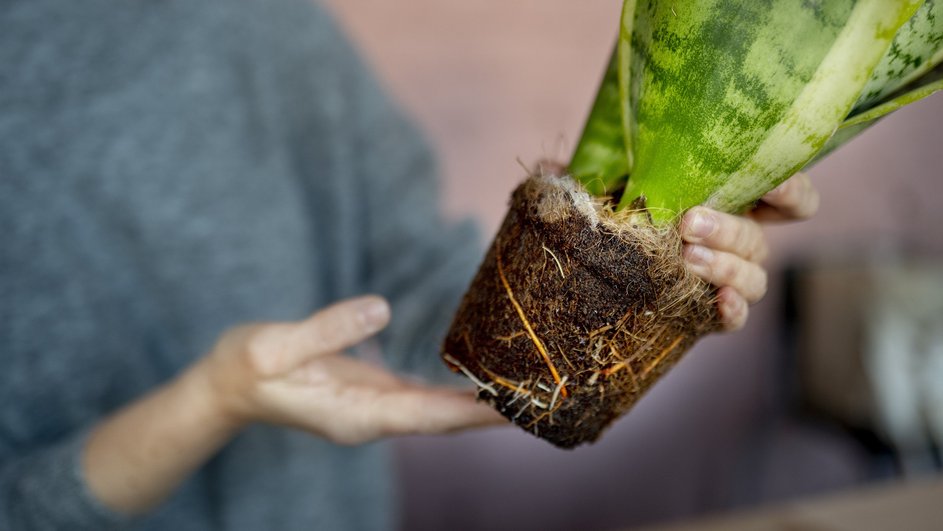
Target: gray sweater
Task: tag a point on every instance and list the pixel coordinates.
(168, 169)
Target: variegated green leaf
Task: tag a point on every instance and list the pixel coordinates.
(601, 161)
(934, 83)
(719, 101)
(917, 49)
(729, 98)
(902, 77)
(926, 85)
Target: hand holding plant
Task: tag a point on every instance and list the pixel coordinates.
(727, 250)
(584, 299)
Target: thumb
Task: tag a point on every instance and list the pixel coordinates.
(280, 348)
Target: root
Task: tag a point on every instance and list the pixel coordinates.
(600, 330)
(622, 312)
(549, 413)
(519, 391)
(557, 260)
(556, 392)
(511, 337)
(530, 330)
(566, 359)
(651, 366)
(471, 376)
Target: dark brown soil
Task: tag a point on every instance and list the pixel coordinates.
(574, 313)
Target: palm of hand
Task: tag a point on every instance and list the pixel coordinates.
(294, 375)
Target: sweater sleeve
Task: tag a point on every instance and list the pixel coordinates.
(57, 348)
(43, 490)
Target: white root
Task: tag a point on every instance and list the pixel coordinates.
(557, 260)
(520, 411)
(556, 392)
(519, 392)
(468, 373)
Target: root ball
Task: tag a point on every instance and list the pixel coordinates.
(575, 312)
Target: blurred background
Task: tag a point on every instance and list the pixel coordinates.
(836, 381)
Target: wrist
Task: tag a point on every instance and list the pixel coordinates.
(212, 398)
(135, 458)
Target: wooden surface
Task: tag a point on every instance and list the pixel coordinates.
(914, 506)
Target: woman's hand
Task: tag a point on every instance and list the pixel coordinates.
(294, 374)
(727, 250)
(291, 374)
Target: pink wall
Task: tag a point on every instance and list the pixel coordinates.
(491, 81)
(494, 81)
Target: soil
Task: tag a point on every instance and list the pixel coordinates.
(575, 312)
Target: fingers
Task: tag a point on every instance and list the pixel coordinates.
(724, 249)
(724, 232)
(348, 401)
(429, 411)
(366, 415)
(733, 308)
(794, 199)
(727, 269)
(279, 348)
(333, 368)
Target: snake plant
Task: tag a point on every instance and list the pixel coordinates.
(716, 102)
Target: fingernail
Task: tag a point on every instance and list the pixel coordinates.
(702, 225)
(698, 255)
(374, 314)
